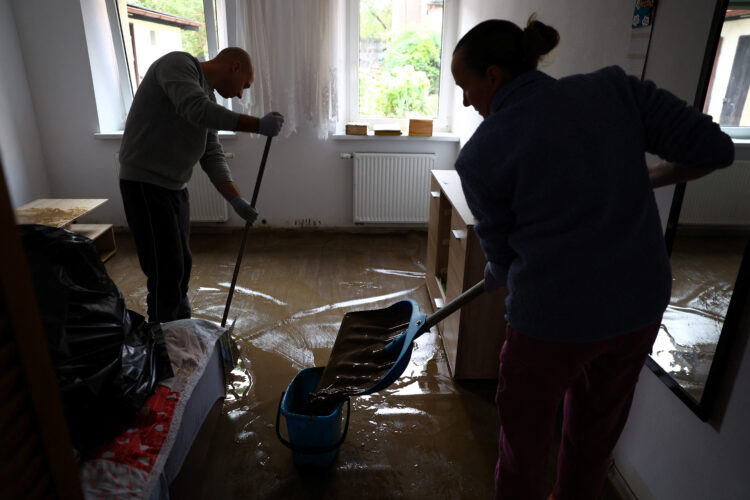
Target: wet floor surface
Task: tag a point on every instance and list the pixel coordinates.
(425, 436)
(704, 269)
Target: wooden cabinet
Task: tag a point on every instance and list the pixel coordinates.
(472, 337)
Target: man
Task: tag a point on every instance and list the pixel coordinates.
(173, 124)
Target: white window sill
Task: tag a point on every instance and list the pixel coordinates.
(118, 135)
(438, 136)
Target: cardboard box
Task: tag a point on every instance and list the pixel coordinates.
(420, 128)
(356, 129)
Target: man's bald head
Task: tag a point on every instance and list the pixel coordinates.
(230, 55)
(230, 72)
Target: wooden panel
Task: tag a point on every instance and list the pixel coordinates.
(432, 229)
(450, 184)
(56, 212)
(482, 322)
(454, 287)
(44, 453)
(437, 244)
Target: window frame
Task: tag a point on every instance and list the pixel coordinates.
(216, 36)
(442, 123)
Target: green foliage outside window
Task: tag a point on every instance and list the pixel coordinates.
(408, 81)
(402, 92)
(375, 18)
(420, 49)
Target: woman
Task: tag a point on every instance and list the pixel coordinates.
(557, 179)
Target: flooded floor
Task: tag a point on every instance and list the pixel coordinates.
(425, 436)
(704, 269)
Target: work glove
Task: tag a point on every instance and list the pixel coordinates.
(270, 125)
(244, 209)
(494, 277)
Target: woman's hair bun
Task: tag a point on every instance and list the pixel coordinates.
(503, 43)
(538, 40)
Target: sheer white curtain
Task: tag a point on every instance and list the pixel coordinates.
(297, 52)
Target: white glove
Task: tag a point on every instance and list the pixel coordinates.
(244, 209)
(494, 277)
(270, 125)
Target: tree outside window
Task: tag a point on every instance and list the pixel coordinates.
(399, 57)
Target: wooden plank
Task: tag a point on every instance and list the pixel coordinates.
(91, 231)
(56, 212)
(450, 184)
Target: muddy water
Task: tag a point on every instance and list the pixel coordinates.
(424, 436)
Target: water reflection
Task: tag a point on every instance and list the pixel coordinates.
(704, 267)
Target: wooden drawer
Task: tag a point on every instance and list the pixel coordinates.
(454, 287)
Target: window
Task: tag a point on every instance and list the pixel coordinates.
(149, 29)
(397, 53)
(728, 99)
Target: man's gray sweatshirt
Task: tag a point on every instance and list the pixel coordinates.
(173, 124)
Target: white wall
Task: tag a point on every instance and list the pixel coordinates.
(20, 148)
(592, 35)
(666, 452)
(305, 180)
(55, 55)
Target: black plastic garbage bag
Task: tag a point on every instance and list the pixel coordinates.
(107, 358)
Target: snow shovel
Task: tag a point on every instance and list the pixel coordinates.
(373, 348)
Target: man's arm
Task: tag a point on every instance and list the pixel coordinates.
(269, 125)
(248, 123)
(228, 190)
(240, 205)
(665, 173)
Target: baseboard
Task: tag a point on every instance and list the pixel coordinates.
(619, 484)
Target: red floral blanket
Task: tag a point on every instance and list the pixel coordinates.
(129, 466)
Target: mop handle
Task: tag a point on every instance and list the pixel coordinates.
(244, 233)
(453, 306)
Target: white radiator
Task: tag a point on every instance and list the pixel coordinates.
(206, 204)
(392, 187)
(719, 199)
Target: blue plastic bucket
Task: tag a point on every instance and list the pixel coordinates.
(313, 439)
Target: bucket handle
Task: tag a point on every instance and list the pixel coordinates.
(313, 450)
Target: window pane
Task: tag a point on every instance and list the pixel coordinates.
(399, 57)
(157, 27)
(727, 100)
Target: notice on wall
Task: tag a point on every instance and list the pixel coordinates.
(640, 37)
